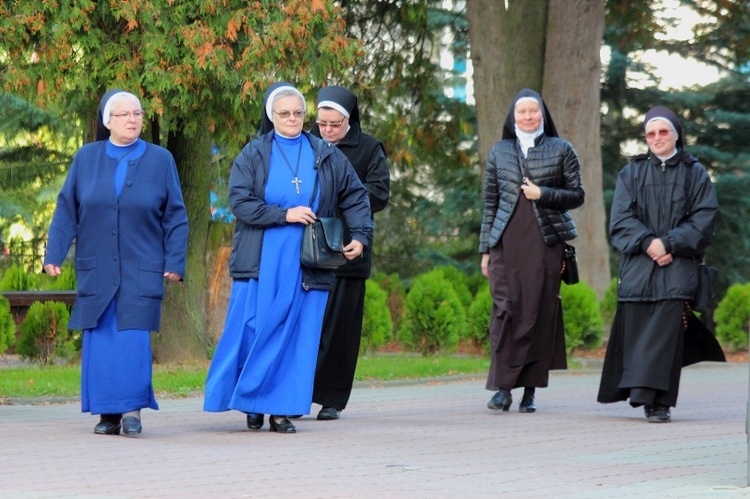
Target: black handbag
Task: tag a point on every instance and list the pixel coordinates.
(323, 243)
(706, 293)
(569, 270)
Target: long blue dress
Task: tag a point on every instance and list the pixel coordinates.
(116, 365)
(265, 359)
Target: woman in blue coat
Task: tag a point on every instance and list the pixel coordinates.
(122, 204)
(281, 181)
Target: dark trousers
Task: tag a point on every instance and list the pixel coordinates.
(339, 343)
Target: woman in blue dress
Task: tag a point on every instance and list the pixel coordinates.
(122, 203)
(281, 181)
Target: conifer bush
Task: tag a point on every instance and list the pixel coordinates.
(396, 292)
(44, 333)
(66, 281)
(478, 318)
(7, 326)
(581, 315)
(377, 327)
(732, 317)
(460, 282)
(15, 278)
(434, 315)
(608, 305)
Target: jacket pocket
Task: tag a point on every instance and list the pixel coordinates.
(151, 275)
(86, 275)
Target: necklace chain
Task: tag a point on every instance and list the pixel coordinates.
(294, 170)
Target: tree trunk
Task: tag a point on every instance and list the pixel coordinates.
(184, 311)
(571, 90)
(507, 54)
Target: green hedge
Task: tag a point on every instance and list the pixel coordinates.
(732, 317)
(377, 326)
(7, 326)
(44, 333)
(435, 316)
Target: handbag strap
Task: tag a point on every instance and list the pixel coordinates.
(314, 191)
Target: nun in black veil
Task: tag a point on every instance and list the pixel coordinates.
(533, 178)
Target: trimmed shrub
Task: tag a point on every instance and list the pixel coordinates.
(732, 317)
(396, 292)
(16, 278)
(44, 333)
(434, 315)
(581, 315)
(7, 326)
(377, 327)
(608, 305)
(478, 319)
(66, 281)
(460, 282)
(477, 281)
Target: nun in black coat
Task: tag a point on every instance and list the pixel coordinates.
(663, 217)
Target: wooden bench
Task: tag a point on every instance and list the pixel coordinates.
(20, 301)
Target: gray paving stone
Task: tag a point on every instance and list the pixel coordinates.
(430, 439)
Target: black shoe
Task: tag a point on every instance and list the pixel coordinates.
(109, 424)
(328, 414)
(281, 424)
(527, 404)
(501, 400)
(131, 425)
(255, 420)
(657, 413)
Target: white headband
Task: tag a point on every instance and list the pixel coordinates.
(671, 125)
(108, 106)
(272, 96)
(334, 105)
(529, 99)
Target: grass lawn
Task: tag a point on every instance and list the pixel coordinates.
(185, 379)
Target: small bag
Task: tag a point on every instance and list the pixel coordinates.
(323, 244)
(706, 293)
(569, 270)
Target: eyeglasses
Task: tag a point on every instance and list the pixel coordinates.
(663, 132)
(135, 114)
(332, 124)
(285, 115)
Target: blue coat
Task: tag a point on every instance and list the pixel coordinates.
(123, 245)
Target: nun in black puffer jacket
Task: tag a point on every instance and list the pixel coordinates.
(533, 178)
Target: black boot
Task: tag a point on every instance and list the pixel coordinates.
(527, 402)
(501, 400)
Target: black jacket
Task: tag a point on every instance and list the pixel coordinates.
(367, 156)
(339, 188)
(674, 201)
(552, 164)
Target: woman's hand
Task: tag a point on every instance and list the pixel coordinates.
(52, 270)
(300, 214)
(353, 249)
(656, 249)
(486, 265)
(173, 276)
(531, 190)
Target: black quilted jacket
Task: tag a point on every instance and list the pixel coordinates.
(552, 164)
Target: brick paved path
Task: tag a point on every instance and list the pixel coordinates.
(433, 439)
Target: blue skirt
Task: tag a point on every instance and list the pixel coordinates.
(265, 359)
(116, 368)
